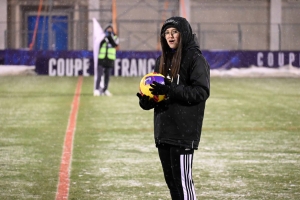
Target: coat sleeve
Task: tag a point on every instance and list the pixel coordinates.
(198, 88)
(114, 41)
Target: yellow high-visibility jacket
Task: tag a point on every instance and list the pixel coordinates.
(107, 48)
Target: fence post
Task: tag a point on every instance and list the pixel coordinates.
(240, 37)
(199, 34)
(279, 36)
(5, 39)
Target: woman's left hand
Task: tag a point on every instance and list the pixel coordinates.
(159, 89)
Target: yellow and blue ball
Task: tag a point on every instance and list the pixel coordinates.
(145, 85)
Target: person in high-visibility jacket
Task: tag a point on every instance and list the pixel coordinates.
(106, 60)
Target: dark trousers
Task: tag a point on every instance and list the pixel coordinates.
(100, 71)
(177, 167)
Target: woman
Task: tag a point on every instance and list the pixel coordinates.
(178, 119)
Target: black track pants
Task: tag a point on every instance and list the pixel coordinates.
(100, 71)
(177, 167)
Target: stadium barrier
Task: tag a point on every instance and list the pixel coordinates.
(138, 63)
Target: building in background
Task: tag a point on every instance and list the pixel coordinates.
(219, 24)
(62, 25)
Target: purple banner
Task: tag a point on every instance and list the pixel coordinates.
(244, 59)
(134, 63)
(128, 63)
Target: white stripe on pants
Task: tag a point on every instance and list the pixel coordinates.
(186, 177)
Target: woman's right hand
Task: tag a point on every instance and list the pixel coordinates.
(146, 102)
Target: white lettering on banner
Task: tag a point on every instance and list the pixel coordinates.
(133, 67)
(125, 67)
(260, 56)
(61, 67)
(78, 65)
(142, 67)
(117, 67)
(86, 65)
(151, 63)
(291, 58)
(270, 59)
(280, 59)
(68, 66)
(51, 63)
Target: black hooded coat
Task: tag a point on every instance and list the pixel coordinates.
(178, 121)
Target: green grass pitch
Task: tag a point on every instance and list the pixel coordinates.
(250, 145)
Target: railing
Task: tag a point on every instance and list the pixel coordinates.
(142, 35)
(247, 36)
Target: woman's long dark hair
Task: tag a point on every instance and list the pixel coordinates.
(170, 59)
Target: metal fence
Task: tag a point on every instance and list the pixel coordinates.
(143, 35)
(246, 36)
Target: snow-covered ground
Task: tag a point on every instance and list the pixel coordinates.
(10, 70)
(253, 71)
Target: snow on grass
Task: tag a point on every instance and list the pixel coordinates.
(254, 71)
(13, 70)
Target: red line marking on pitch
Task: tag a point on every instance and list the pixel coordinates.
(65, 166)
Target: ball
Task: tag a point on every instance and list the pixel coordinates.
(145, 85)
